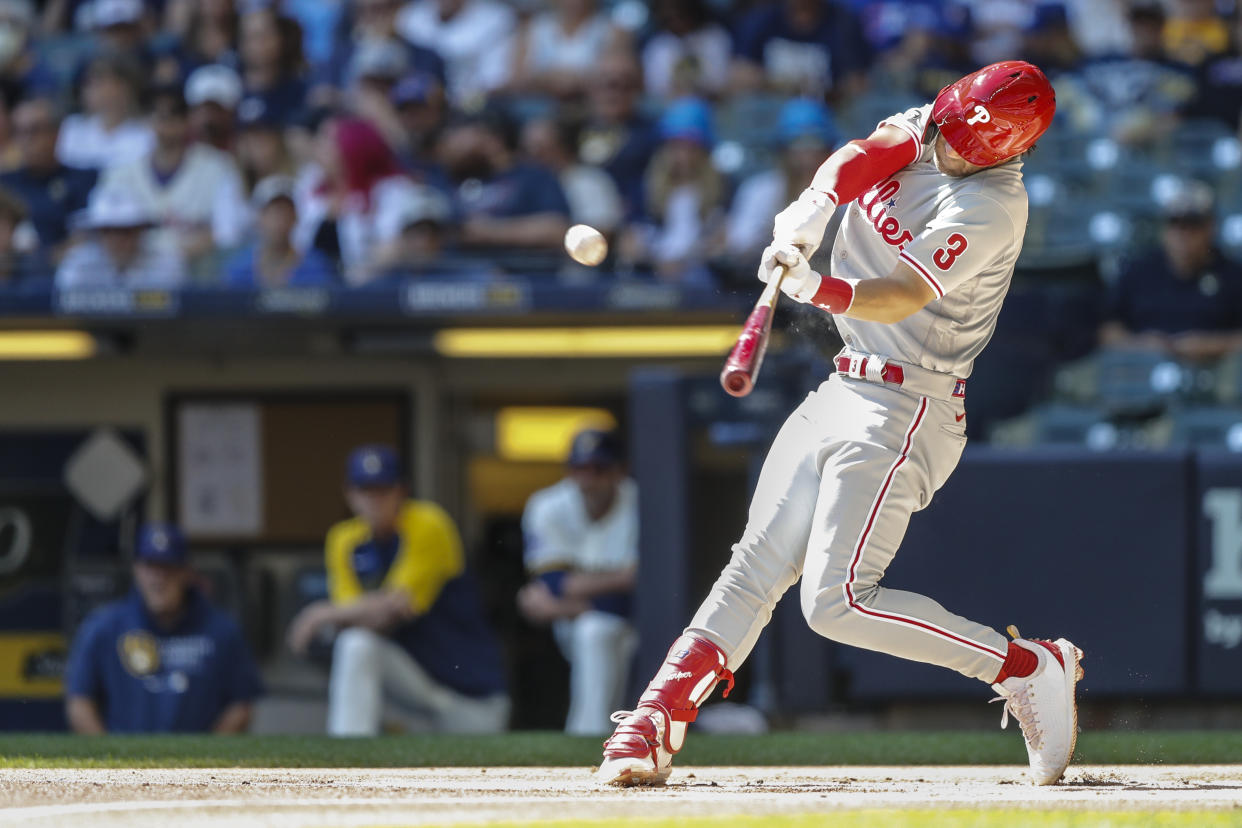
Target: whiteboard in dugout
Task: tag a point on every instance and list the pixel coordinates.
(219, 455)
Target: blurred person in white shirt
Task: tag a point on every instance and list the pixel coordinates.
(195, 191)
(473, 37)
(685, 200)
(109, 130)
(592, 195)
(689, 54)
(120, 249)
(806, 134)
(213, 93)
(555, 51)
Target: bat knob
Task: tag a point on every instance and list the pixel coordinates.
(737, 384)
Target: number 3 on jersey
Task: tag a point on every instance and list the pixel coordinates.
(944, 257)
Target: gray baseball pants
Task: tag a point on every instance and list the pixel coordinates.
(836, 492)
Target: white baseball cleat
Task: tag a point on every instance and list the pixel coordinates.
(635, 754)
(1045, 707)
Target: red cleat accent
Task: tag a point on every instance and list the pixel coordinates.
(1020, 663)
(640, 750)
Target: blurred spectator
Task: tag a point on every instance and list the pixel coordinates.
(802, 47)
(120, 251)
(506, 205)
(582, 555)
(110, 129)
(998, 27)
(807, 135)
(261, 148)
(1049, 42)
(555, 50)
(1195, 31)
(1135, 97)
(593, 197)
(52, 191)
(1186, 298)
(423, 112)
(16, 264)
(920, 46)
(163, 659)
(408, 625)
(1099, 26)
(685, 197)
(193, 189)
(321, 21)
(22, 73)
(272, 261)
(121, 27)
(213, 93)
(471, 35)
(415, 232)
(375, 22)
(271, 62)
(373, 73)
(689, 52)
(1219, 84)
(359, 179)
(617, 136)
(206, 34)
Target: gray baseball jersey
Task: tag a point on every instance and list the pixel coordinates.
(860, 456)
(961, 235)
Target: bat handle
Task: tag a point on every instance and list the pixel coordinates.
(772, 290)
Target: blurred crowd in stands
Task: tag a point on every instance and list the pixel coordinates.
(161, 143)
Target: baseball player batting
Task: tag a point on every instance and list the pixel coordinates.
(934, 220)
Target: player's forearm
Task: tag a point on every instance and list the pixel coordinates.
(234, 719)
(887, 300)
(589, 584)
(83, 716)
(379, 611)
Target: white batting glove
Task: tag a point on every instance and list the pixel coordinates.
(800, 281)
(803, 223)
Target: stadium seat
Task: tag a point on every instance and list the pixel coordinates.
(1226, 381)
(1208, 427)
(1056, 424)
(1124, 382)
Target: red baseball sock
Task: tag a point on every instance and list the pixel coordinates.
(1021, 662)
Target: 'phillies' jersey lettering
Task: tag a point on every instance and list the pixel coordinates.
(875, 203)
(944, 257)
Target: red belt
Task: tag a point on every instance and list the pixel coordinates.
(891, 372)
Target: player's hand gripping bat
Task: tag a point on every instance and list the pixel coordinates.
(741, 369)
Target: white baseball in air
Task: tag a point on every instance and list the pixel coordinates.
(585, 245)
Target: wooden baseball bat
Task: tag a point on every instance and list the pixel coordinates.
(741, 369)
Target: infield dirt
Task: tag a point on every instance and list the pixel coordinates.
(280, 798)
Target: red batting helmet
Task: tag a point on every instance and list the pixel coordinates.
(995, 113)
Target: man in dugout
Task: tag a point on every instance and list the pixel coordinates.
(581, 539)
(162, 659)
(406, 624)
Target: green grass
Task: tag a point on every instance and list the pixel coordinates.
(924, 818)
(928, 818)
(555, 749)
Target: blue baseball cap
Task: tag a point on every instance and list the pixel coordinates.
(595, 447)
(161, 543)
(373, 465)
(688, 119)
(413, 89)
(803, 118)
